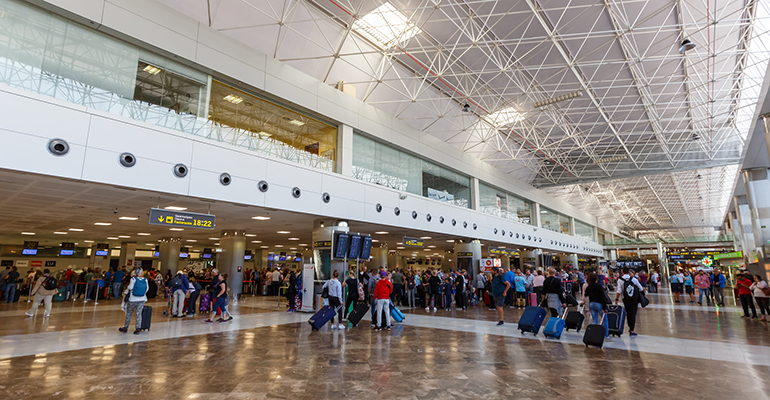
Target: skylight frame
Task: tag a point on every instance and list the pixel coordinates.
(386, 26)
(504, 117)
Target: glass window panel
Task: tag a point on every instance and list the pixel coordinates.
(500, 203)
(584, 230)
(554, 221)
(441, 184)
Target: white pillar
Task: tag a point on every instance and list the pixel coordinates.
(127, 255)
(475, 197)
(169, 254)
(230, 259)
(345, 150)
(535, 218)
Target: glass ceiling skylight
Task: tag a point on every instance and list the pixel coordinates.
(504, 117)
(386, 26)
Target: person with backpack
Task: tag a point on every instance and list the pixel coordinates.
(45, 287)
(631, 290)
(499, 288)
(762, 295)
(410, 287)
(137, 296)
(179, 289)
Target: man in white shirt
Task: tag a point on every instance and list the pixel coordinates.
(276, 282)
(631, 290)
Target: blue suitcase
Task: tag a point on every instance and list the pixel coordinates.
(616, 319)
(395, 313)
(554, 327)
(319, 319)
(531, 319)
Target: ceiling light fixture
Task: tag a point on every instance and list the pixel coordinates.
(260, 218)
(144, 234)
(283, 232)
(88, 241)
(425, 237)
(60, 233)
(176, 229)
(112, 238)
(103, 223)
(686, 45)
(213, 238)
(250, 235)
(296, 122)
(124, 237)
(557, 99)
(28, 233)
(191, 240)
(175, 208)
(293, 238)
(256, 241)
(381, 233)
(234, 99)
(76, 230)
(264, 247)
(279, 245)
(466, 108)
(386, 26)
(129, 218)
(504, 117)
(151, 69)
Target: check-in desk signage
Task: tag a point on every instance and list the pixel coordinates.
(413, 242)
(181, 219)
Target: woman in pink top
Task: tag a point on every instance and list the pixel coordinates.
(702, 282)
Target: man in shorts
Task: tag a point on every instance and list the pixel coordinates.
(500, 289)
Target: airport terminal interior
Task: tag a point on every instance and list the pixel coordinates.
(384, 199)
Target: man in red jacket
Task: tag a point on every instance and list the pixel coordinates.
(382, 300)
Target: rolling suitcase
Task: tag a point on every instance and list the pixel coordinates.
(395, 313)
(533, 299)
(571, 300)
(532, 319)
(205, 303)
(146, 318)
(594, 334)
(319, 319)
(574, 320)
(616, 319)
(358, 313)
(554, 327)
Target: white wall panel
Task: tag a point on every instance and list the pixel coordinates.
(28, 153)
(217, 158)
(280, 197)
(27, 114)
(230, 48)
(205, 184)
(102, 166)
(340, 207)
(287, 90)
(120, 135)
(227, 65)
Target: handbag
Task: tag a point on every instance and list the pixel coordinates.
(325, 292)
(644, 301)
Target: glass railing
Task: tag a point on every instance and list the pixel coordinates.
(684, 239)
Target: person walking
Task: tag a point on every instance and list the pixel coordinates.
(554, 293)
(459, 286)
(702, 282)
(382, 296)
(291, 291)
(137, 296)
(10, 284)
(631, 290)
(597, 303)
(335, 298)
(537, 285)
(674, 281)
(744, 292)
(500, 288)
(220, 292)
(45, 287)
(179, 289)
(719, 281)
(762, 295)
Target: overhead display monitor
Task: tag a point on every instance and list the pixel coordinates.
(29, 252)
(205, 255)
(298, 259)
(156, 254)
(282, 258)
(102, 249)
(340, 245)
(247, 255)
(355, 247)
(366, 247)
(67, 249)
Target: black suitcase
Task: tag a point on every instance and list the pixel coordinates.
(358, 312)
(571, 300)
(16, 296)
(152, 289)
(594, 335)
(574, 320)
(146, 318)
(616, 319)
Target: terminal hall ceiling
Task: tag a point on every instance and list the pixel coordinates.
(640, 113)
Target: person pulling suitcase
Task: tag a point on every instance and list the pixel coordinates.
(134, 299)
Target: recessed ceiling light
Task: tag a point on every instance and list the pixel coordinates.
(425, 237)
(234, 99)
(296, 122)
(28, 233)
(150, 244)
(292, 248)
(303, 244)
(124, 237)
(284, 232)
(190, 240)
(256, 241)
(450, 240)
(60, 233)
(129, 218)
(216, 244)
(116, 247)
(103, 223)
(386, 26)
(264, 247)
(400, 248)
(432, 247)
(293, 238)
(176, 229)
(151, 69)
(381, 233)
(279, 245)
(375, 241)
(260, 218)
(76, 230)
(263, 134)
(213, 238)
(250, 235)
(88, 241)
(144, 234)
(175, 208)
(112, 238)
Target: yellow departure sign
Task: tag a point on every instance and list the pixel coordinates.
(181, 219)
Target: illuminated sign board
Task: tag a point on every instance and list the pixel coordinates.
(734, 254)
(181, 219)
(503, 252)
(486, 264)
(413, 242)
(464, 254)
(323, 243)
(102, 249)
(366, 248)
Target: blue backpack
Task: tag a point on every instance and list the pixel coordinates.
(140, 287)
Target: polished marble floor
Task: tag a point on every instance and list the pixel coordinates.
(683, 351)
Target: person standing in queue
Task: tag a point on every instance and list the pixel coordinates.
(382, 297)
(434, 284)
(500, 288)
(352, 284)
(137, 291)
(220, 293)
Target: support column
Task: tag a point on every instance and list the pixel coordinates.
(531, 258)
(380, 259)
(744, 226)
(572, 227)
(230, 260)
(344, 163)
(570, 261)
(535, 215)
(169, 254)
(758, 197)
(127, 255)
(475, 197)
(468, 263)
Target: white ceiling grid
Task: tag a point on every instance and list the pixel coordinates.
(642, 101)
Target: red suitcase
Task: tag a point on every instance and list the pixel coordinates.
(533, 299)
